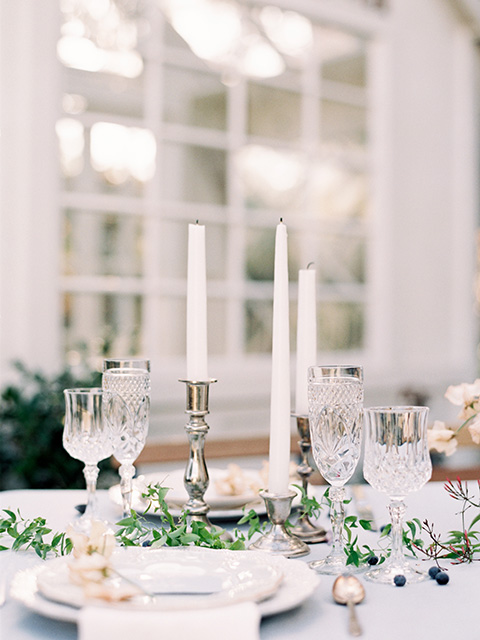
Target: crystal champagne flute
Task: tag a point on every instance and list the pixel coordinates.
(396, 462)
(126, 399)
(86, 438)
(335, 400)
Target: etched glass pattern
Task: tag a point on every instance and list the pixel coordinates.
(84, 435)
(397, 460)
(127, 402)
(87, 438)
(335, 406)
(335, 400)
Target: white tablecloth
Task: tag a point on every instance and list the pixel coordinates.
(422, 611)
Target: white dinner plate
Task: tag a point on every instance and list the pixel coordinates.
(297, 584)
(174, 575)
(221, 506)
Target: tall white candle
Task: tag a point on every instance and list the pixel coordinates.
(279, 454)
(306, 337)
(197, 368)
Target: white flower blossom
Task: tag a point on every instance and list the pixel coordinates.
(462, 394)
(467, 396)
(442, 439)
(474, 429)
(100, 540)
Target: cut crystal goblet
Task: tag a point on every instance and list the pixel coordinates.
(397, 462)
(335, 400)
(86, 438)
(126, 400)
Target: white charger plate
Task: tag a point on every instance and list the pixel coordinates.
(299, 582)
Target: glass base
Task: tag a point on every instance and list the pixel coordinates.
(385, 573)
(335, 565)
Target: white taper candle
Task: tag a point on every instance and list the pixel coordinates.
(279, 454)
(197, 368)
(306, 336)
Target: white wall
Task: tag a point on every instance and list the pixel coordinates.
(426, 207)
(29, 217)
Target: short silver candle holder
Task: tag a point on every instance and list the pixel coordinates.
(278, 540)
(304, 528)
(196, 479)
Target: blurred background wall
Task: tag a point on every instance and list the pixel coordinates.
(121, 121)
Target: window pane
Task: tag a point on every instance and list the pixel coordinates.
(338, 257)
(258, 326)
(194, 98)
(102, 244)
(102, 93)
(339, 192)
(109, 158)
(273, 113)
(102, 324)
(340, 326)
(342, 56)
(216, 326)
(172, 328)
(342, 126)
(260, 254)
(271, 178)
(194, 174)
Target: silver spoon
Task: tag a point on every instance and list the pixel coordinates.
(349, 590)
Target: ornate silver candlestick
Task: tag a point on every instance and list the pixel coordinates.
(196, 475)
(278, 540)
(304, 528)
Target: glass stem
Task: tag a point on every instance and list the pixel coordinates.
(127, 471)
(90, 471)
(397, 512)
(337, 517)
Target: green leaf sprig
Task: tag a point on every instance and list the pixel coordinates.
(32, 534)
(135, 530)
(360, 554)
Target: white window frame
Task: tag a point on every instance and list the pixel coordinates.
(30, 312)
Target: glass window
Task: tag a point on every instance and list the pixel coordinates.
(192, 173)
(101, 324)
(256, 115)
(273, 113)
(102, 244)
(195, 98)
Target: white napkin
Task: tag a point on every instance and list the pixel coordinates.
(237, 622)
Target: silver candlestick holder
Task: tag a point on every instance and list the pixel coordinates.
(196, 478)
(278, 540)
(304, 528)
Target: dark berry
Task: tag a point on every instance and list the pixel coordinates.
(432, 572)
(442, 577)
(399, 580)
(147, 543)
(372, 560)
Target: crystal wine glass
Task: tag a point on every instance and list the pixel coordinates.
(396, 462)
(86, 438)
(126, 399)
(335, 400)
